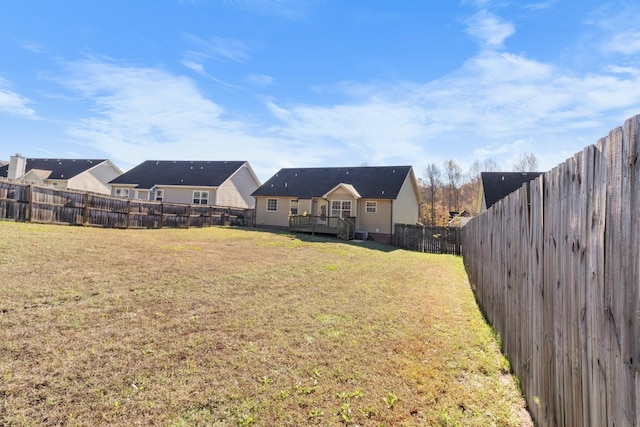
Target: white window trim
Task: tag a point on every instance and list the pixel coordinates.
(276, 202)
(371, 203)
(342, 209)
(200, 198)
(121, 192)
(291, 202)
(158, 191)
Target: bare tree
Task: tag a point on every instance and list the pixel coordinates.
(477, 167)
(474, 175)
(453, 173)
(527, 162)
(433, 182)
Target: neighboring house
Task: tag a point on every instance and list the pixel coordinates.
(77, 174)
(495, 186)
(218, 183)
(459, 219)
(373, 199)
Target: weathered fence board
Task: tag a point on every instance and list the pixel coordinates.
(436, 240)
(27, 202)
(555, 268)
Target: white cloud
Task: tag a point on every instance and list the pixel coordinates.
(613, 33)
(215, 48)
(374, 130)
(146, 113)
(489, 30)
(194, 66)
(291, 9)
(500, 103)
(536, 7)
(626, 43)
(496, 105)
(12, 102)
(260, 79)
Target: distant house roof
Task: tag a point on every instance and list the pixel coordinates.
(498, 185)
(188, 173)
(60, 168)
(370, 182)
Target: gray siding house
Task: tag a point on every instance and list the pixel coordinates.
(218, 183)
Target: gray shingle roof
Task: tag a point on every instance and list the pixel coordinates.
(189, 173)
(498, 185)
(371, 182)
(60, 168)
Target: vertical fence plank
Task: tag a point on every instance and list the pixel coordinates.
(598, 330)
(630, 314)
(534, 391)
(613, 266)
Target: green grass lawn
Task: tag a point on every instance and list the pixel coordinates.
(238, 327)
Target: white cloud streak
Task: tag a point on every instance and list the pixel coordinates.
(290, 9)
(145, 113)
(13, 103)
(489, 30)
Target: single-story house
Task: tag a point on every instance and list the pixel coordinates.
(495, 186)
(217, 183)
(371, 199)
(77, 174)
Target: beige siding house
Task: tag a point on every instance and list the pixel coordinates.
(91, 175)
(218, 183)
(369, 201)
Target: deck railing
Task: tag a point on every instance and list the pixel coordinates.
(343, 228)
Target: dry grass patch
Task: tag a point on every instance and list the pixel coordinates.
(235, 327)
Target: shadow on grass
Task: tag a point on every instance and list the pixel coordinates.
(327, 238)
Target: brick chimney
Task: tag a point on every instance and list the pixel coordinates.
(17, 167)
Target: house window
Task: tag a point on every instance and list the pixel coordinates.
(159, 195)
(341, 208)
(272, 205)
(293, 209)
(122, 192)
(371, 207)
(200, 197)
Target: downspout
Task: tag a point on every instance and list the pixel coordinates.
(357, 224)
(391, 225)
(254, 220)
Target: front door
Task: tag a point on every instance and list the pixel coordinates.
(322, 212)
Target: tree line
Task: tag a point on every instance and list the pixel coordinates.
(446, 189)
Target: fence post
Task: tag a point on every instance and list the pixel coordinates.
(128, 212)
(30, 203)
(85, 213)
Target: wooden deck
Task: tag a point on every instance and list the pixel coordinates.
(342, 228)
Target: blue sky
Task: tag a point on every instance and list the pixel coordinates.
(308, 83)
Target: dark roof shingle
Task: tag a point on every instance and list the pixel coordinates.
(60, 168)
(371, 182)
(189, 173)
(498, 185)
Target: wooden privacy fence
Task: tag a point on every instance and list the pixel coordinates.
(28, 202)
(435, 240)
(556, 268)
